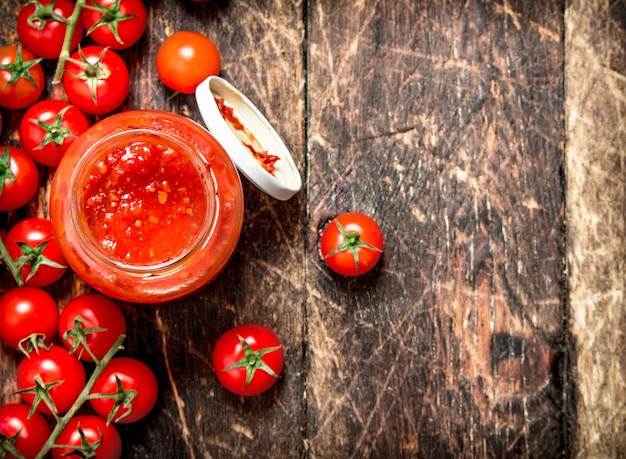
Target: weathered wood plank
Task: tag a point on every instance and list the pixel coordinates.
(596, 106)
(444, 122)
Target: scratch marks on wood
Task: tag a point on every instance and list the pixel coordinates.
(458, 133)
(180, 403)
(596, 164)
(332, 94)
(243, 430)
(545, 32)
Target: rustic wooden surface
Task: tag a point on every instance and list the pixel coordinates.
(596, 108)
(487, 139)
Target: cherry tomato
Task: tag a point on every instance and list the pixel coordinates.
(248, 359)
(100, 324)
(49, 127)
(32, 245)
(117, 24)
(96, 80)
(60, 372)
(138, 388)
(351, 244)
(185, 59)
(19, 178)
(26, 433)
(41, 27)
(91, 436)
(21, 77)
(27, 311)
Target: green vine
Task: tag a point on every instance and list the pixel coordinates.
(72, 21)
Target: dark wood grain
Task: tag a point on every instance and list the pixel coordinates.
(461, 127)
(445, 122)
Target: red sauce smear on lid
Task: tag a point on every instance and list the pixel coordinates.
(264, 158)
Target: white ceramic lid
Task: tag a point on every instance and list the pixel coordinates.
(255, 131)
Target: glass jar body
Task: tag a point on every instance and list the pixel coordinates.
(146, 206)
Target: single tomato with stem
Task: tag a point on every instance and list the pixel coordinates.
(49, 127)
(35, 252)
(351, 244)
(248, 359)
(22, 78)
(19, 178)
(96, 80)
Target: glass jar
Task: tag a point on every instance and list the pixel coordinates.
(146, 206)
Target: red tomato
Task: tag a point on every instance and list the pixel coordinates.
(103, 440)
(139, 391)
(40, 30)
(117, 24)
(101, 323)
(248, 359)
(96, 80)
(352, 244)
(185, 59)
(26, 311)
(21, 77)
(59, 370)
(27, 433)
(19, 178)
(31, 244)
(49, 127)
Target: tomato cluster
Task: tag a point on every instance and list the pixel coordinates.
(74, 350)
(62, 350)
(95, 78)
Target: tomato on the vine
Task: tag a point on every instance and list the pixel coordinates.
(21, 77)
(26, 313)
(49, 127)
(185, 59)
(96, 80)
(19, 178)
(87, 435)
(41, 26)
(26, 434)
(92, 319)
(117, 24)
(248, 359)
(125, 391)
(351, 244)
(54, 370)
(34, 248)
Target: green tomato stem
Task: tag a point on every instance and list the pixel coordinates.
(15, 271)
(82, 398)
(8, 447)
(72, 21)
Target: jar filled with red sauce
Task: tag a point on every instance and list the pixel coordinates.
(147, 206)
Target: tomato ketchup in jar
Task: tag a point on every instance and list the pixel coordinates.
(147, 206)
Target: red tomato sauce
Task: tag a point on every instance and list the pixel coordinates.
(264, 158)
(145, 203)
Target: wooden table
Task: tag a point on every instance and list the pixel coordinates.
(487, 138)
